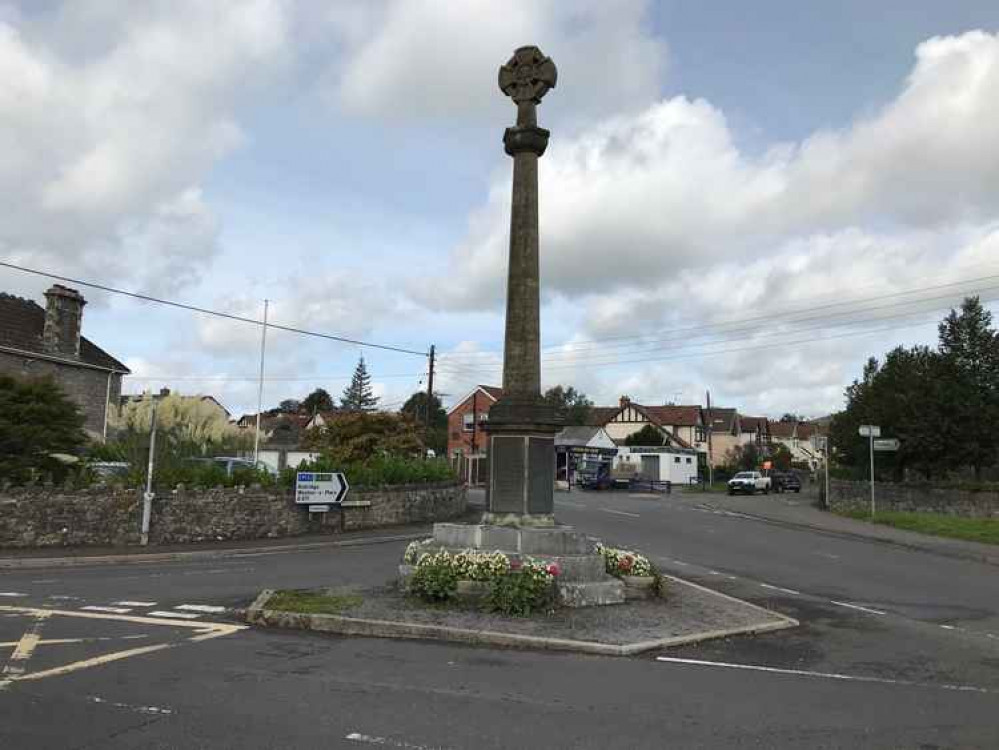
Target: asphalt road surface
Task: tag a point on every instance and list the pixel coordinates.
(897, 649)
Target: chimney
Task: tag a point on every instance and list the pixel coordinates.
(63, 315)
(164, 392)
(624, 401)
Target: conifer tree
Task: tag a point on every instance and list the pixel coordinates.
(358, 396)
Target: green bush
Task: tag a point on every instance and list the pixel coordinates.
(435, 578)
(522, 591)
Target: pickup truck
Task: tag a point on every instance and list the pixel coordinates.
(749, 482)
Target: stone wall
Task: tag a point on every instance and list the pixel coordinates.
(86, 386)
(916, 498)
(51, 517)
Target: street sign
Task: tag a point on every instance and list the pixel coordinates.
(870, 430)
(320, 488)
(821, 442)
(887, 444)
(319, 509)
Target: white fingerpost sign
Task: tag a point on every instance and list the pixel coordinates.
(320, 488)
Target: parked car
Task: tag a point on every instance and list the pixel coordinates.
(749, 482)
(785, 481)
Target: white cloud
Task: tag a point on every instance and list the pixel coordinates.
(641, 198)
(107, 137)
(437, 58)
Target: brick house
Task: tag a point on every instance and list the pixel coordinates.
(37, 341)
(467, 441)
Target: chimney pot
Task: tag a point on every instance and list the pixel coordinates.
(63, 321)
(625, 401)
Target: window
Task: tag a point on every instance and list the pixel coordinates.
(677, 460)
(688, 459)
(466, 421)
(699, 435)
(483, 417)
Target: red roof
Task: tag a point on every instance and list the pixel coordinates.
(674, 416)
(495, 391)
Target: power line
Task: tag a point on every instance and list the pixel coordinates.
(254, 378)
(782, 316)
(206, 311)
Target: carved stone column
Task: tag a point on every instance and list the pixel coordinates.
(522, 426)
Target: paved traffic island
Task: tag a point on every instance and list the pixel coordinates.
(686, 613)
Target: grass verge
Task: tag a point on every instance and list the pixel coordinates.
(313, 602)
(985, 530)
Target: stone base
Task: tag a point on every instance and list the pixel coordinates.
(583, 580)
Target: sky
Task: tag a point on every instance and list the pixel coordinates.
(746, 198)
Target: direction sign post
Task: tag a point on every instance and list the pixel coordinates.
(871, 431)
(887, 445)
(320, 488)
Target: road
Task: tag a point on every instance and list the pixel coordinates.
(897, 649)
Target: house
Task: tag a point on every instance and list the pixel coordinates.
(755, 430)
(800, 440)
(677, 424)
(37, 341)
(467, 441)
(581, 451)
(210, 401)
(726, 432)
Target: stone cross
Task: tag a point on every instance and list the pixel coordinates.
(521, 425)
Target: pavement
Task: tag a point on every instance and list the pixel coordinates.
(898, 648)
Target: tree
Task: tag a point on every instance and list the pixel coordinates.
(188, 419)
(648, 435)
(358, 436)
(415, 409)
(742, 458)
(37, 420)
(318, 400)
(781, 457)
(289, 406)
(792, 417)
(358, 396)
(969, 348)
(573, 404)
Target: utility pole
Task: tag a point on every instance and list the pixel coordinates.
(147, 496)
(711, 471)
(260, 388)
(475, 427)
(430, 393)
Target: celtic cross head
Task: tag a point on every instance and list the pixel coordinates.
(527, 76)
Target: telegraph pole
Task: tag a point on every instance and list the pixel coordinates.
(260, 388)
(711, 471)
(430, 393)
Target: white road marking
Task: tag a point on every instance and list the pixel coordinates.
(112, 610)
(714, 572)
(46, 580)
(155, 710)
(779, 588)
(857, 606)
(136, 604)
(206, 608)
(383, 741)
(825, 675)
(64, 598)
(11, 593)
(680, 562)
(620, 512)
(180, 615)
(948, 627)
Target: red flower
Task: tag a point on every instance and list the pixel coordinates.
(625, 563)
(553, 570)
(515, 565)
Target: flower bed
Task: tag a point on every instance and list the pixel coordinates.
(641, 578)
(511, 586)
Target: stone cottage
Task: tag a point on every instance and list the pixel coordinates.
(37, 341)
